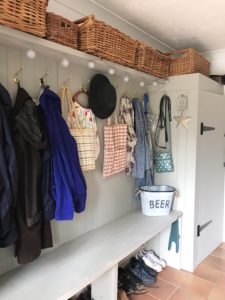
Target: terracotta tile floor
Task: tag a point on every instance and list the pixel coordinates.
(206, 283)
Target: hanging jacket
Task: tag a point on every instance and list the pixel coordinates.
(48, 201)
(8, 174)
(142, 167)
(34, 233)
(68, 186)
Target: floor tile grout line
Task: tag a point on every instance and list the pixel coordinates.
(217, 256)
(153, 296)
(172, 293)
(168, 282)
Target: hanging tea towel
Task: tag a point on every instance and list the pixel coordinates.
(174, 236)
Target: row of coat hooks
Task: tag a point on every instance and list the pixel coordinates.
(42, 83)
(84, 88)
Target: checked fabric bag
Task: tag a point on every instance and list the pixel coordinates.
(85, 137)
(115, 148)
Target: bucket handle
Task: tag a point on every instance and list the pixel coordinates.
(137, 192)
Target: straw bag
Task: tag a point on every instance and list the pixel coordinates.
(85, 137)
(115, 148)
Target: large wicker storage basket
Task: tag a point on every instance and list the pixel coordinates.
(62, 31)
(24, 15)
(152, 61)
(104, 41)
(188, 61)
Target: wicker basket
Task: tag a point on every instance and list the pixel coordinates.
(104, 41)
(62, 31)
(152, 61)
(24, 15)
(188, 61)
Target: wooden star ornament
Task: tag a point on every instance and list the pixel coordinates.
(182, 120)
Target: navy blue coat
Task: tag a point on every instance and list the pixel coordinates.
(8, 174)
(68, 185)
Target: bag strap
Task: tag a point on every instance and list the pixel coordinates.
(164, 121)
(77, 94)
(115, 119)
(65, 93)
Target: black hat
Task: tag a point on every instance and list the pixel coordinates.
(101, 96)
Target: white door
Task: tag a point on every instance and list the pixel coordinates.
(210, 174)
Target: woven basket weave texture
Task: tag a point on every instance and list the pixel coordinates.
(151, 61)
(62, 31)
(104, 41)
(188, 61)
(24, 15)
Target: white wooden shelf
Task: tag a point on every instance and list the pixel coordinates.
(64, 271)
(17, 39)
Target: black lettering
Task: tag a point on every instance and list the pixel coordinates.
(167, 204)
(151, 204)
(157, 203)
(162, 204)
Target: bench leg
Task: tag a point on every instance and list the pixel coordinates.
(105, 287)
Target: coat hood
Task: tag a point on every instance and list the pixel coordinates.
(24, 118)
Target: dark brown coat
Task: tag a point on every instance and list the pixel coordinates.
(34, 232)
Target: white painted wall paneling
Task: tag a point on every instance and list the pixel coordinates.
(184, 143)
(107, 199)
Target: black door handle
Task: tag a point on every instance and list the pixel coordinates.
(205, 128)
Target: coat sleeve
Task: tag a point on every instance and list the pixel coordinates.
(8, 184)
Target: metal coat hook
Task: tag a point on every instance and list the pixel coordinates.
(15, 76)
(84, 87)
(65, 82)
(42, 84)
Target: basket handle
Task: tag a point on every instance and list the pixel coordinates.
(90, 19)
(182, 51)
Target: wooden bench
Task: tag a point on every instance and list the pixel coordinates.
(90, 259)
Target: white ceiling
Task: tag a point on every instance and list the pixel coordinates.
(178, 23)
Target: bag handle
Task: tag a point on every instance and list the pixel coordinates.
(77, 94)
(65, 93)
(115, 119)
(90, 19)
(164, 121)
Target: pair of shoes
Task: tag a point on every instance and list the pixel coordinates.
(152, 260)
(149, 270)
(149, 262)
(129, 282)
(151, 254)
(136, 267)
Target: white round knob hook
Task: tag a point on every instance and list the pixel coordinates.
(31, 54)
(126, 79)
(111, 71)
(65, 63)
(91, 65)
